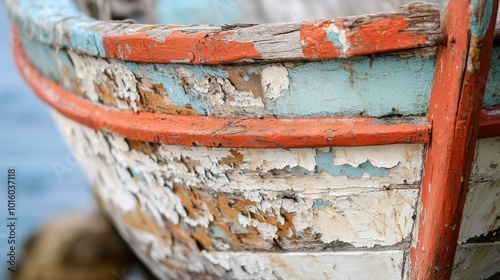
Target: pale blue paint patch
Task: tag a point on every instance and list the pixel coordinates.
(52, 64)
(357, 86)
(180, 95)
(335, 39)
(138, 175)
(300, 233)
(325, 162)
(218, 233)
(480, 19)
(319, 203)
(84, 37)
(239, 230)
(492, 94)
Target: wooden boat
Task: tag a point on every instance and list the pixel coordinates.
(363, 147)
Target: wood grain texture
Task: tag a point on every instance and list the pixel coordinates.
(59, 23)
(455, 107)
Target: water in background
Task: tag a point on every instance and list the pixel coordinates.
(29, 142)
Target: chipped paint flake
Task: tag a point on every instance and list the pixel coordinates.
(241, 199)
(337, 36)
(93, 73)
(274, 81)
(332, 265)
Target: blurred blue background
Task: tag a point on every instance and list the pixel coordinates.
(30, 142)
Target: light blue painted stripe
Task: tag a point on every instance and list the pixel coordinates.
(357, 86)
(338, 87)
(325, 162)
(56, 66)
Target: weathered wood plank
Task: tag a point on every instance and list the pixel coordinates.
(455, 106)
(213, 205)
(61, 24)
(227, 132)
(377, 86)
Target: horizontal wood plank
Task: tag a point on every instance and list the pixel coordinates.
(61, 24)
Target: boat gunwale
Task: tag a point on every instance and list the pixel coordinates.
(233, 132)
(58, 22)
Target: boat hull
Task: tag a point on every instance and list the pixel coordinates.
(218, 157)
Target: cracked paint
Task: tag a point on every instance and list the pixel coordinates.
(203, 201)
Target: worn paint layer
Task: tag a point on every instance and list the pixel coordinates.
(199, 201)
(61, 24)
(379, 86)
(481, 217)
(223, 132)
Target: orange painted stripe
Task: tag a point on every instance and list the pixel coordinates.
(220, 132)
(197, 48)
(490, 122)
(455, 107)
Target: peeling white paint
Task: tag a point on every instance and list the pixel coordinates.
(274, 81)
(487, 160)
(386, 156)
(384, 265)
(482, 211)
(360, 212)
(220, 94)
(342, 36)
(93, 71)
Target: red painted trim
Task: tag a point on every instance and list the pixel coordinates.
(490, 122)
(214, 48)
(220, 132)
(455, 107)
(383, 36)
(315, 40)
(197, 48)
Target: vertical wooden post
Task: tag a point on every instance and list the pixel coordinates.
(455, 106)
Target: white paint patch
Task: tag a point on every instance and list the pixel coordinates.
(487, 161)
(482, 209)
(386, 156)
(384, 265)
(118, 78)
(274, 81)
